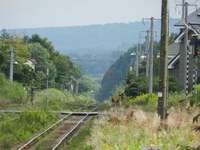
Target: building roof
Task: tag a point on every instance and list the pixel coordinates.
(173, 61)
(193, 19)
(33, 61)
(174, 49)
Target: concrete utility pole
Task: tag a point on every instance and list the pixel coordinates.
(151, 53)
(147, 53)
(151, 58)
(11, 65)
(185, 54)
(183, 10)
(163, 80)
(136, 61)
(47, 102)
(185, 61)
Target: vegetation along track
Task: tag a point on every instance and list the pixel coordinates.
(53, 137)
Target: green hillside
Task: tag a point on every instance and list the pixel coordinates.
(114, 75)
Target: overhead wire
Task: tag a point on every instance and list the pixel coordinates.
(183, 21)
(195, 2)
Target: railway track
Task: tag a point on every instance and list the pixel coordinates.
(54, 137)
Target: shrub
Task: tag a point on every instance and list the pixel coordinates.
(11, 92)
(174, 99)
(142, 99)
(84, 97)
(56, 98)
(195, 98)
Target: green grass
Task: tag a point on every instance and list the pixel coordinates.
(12, 131)
(79, 142)
(11, 92)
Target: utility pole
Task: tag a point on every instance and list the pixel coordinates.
(183, 10)
(136, 61)
(151, 53)
(186, 56)
(163, 79)
(47, 86)
(147, 53)
(11, 65)
(151, 59)
(185, 71)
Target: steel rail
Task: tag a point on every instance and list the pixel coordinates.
(40, 134)
(52, 126)
(73, 129)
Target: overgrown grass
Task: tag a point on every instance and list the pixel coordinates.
(129, 129)
(13, 131)
(79, 142)
(11, 93)
(58, 100)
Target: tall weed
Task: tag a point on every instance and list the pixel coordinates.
(132, 128)
(11, 92)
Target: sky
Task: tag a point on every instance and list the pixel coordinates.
(56, 13)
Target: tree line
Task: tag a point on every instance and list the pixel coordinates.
(61, 69)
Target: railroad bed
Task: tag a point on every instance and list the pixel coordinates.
(54, 137)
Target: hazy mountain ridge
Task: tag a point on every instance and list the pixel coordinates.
(92, 47)
(94, 38)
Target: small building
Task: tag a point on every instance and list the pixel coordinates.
(176, 50)
(31, 63)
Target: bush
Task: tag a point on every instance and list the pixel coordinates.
(195, 98)
(69, 96)
(56, 98)
(175, 98)
(11, 92)
(142, 99)
(84, 97)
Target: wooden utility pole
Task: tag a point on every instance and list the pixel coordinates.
(163, 79)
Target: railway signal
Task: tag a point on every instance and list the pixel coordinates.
(196, 43)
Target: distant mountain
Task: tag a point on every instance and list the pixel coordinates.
(95, 44)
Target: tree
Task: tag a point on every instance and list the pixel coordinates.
(65, 69)
(135, 85)
(42, 56)
(8, 42)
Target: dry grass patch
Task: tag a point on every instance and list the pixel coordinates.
(129, 129)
